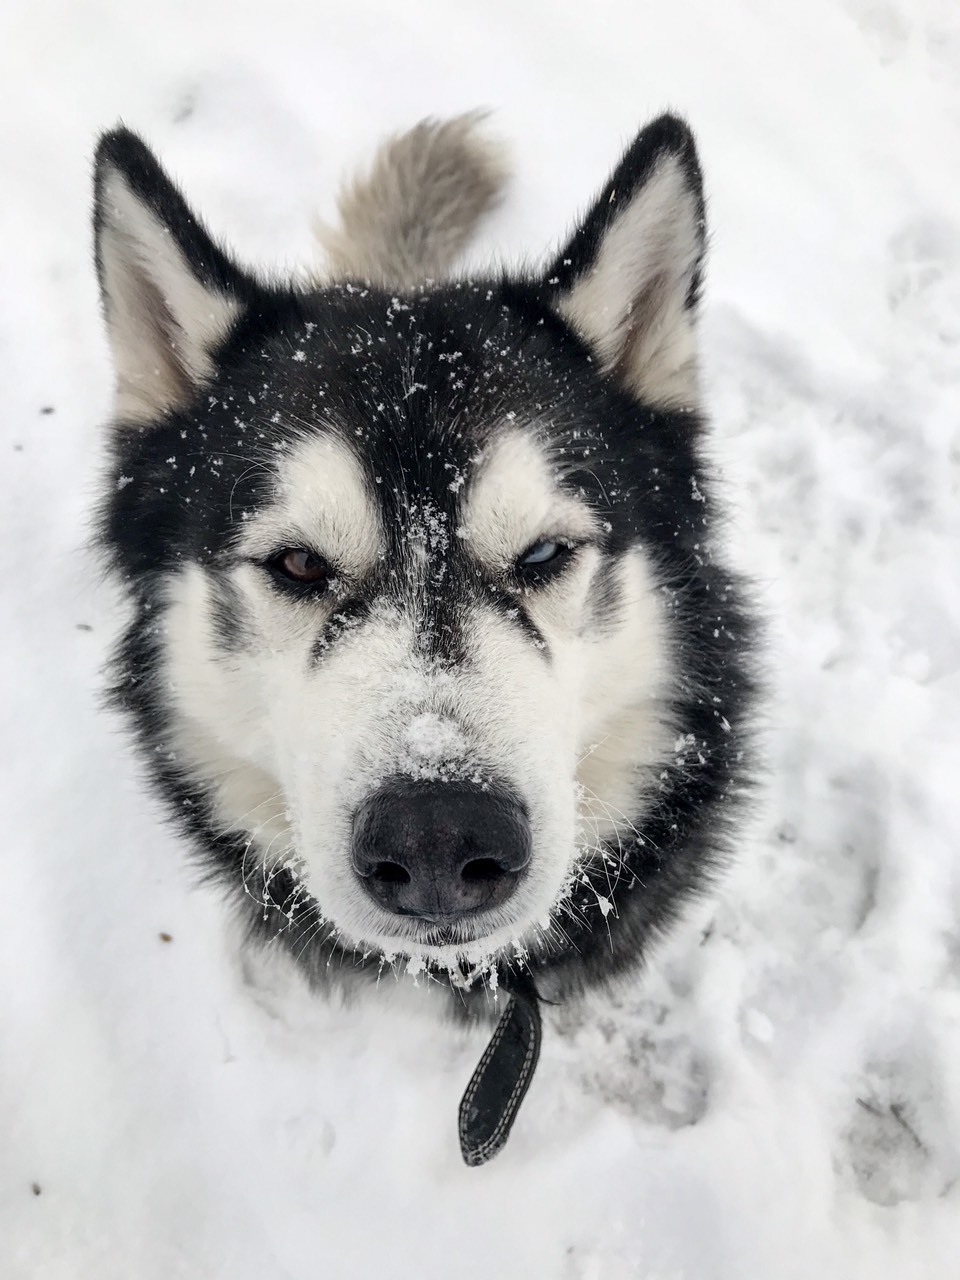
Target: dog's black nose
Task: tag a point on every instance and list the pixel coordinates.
(440, 850)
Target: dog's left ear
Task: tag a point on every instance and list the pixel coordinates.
(170, 294)
(628, 280)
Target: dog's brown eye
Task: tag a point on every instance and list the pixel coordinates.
(299, 565)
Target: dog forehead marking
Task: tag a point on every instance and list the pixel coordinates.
(322, 497)
(514, 498)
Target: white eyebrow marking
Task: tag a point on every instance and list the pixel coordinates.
(321, 497)
(513, 500)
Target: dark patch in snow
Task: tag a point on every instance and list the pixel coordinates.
(185, 106)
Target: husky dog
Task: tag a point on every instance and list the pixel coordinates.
(433, 654)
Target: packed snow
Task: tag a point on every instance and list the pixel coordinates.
(779, 1096)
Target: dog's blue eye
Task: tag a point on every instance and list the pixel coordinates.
(541, 552)
(547, 552)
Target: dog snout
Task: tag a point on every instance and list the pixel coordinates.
(442, 850)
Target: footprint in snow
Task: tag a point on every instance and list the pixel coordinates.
(923, 259)
(640, 1054)
(897, 1145)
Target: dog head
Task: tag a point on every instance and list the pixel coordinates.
(408, 564)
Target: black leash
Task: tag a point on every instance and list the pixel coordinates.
(498, 1086)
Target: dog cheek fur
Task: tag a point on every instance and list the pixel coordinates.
(219, 725)
(261, 725)
(626, 720)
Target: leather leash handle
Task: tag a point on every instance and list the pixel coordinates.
(498, 1086)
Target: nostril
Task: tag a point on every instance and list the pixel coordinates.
(481, 870)
(390, 873)
(440, 851)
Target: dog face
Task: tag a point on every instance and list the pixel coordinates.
(408, 564)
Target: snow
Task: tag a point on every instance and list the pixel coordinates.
(780, 1096)
(431, 738)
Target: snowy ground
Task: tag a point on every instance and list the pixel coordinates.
(782, 1100)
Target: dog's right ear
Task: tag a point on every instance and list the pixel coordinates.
(170, 295)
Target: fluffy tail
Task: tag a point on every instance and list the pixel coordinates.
(411, 216)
